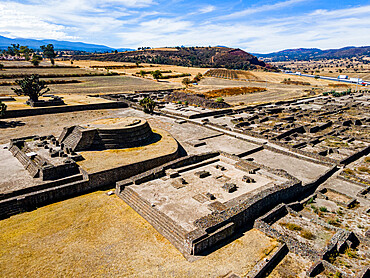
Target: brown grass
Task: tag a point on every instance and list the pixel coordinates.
(339, 85)
(96, 235)
(232, 91)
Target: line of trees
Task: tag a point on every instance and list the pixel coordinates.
(17, 50)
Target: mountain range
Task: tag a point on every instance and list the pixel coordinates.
(315, 53)
(58, 45)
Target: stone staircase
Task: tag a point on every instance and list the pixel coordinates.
(163, 224)
(72, 140)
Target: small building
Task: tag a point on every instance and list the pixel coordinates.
(343, 77)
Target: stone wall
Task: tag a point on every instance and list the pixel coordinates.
(63, 109)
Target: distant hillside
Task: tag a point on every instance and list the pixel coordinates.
(58, 45)
(216, 57)
(315, 53)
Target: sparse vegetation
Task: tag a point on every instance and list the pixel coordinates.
(350, 253)
(307, 235)
(292, 226)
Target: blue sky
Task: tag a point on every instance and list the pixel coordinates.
(255, 26)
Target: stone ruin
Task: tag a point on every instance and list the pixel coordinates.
(50, 158)
(107, 134)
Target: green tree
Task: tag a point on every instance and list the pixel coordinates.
(49, 52)
(36, 59)
(142, 73)
(157, 74)
(31, 86)
(198, 77)
(2, 109)
(26, 52)
(186, 81)
(148, 104)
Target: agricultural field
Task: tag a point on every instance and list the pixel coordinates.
(133, 69)
(95, 77)
(353, 67)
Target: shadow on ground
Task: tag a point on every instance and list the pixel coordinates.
(11, 124)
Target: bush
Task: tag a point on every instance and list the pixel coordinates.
(219, 100)
(2, 109)
(148, 104)
(323, 209)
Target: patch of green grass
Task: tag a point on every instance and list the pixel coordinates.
(335, 222)
(323, 209)
(307, 235)
(292, 226)
(315, 209)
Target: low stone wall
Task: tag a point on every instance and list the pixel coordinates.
(264, 266)
(111, 176)
(63, 109)
(363, 152)
(43, 194)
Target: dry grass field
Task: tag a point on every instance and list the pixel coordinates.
(353, 67)
(129, 81)
(96, 235)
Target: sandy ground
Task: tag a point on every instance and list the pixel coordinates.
(96, 235)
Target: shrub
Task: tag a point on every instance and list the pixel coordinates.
(310, 201)
(2, 109)
(323, 209)
(337, 275)
(186, 102)
(148, 104)
(36, 59)
(219, 100)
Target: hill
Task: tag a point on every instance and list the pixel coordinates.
(315, 53)
(216, 57)
(58, 45)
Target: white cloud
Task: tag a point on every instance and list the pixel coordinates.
(117, 24)
(207, 9)
(263, 8)
(16, 23)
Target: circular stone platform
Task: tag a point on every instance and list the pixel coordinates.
(115, 133)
